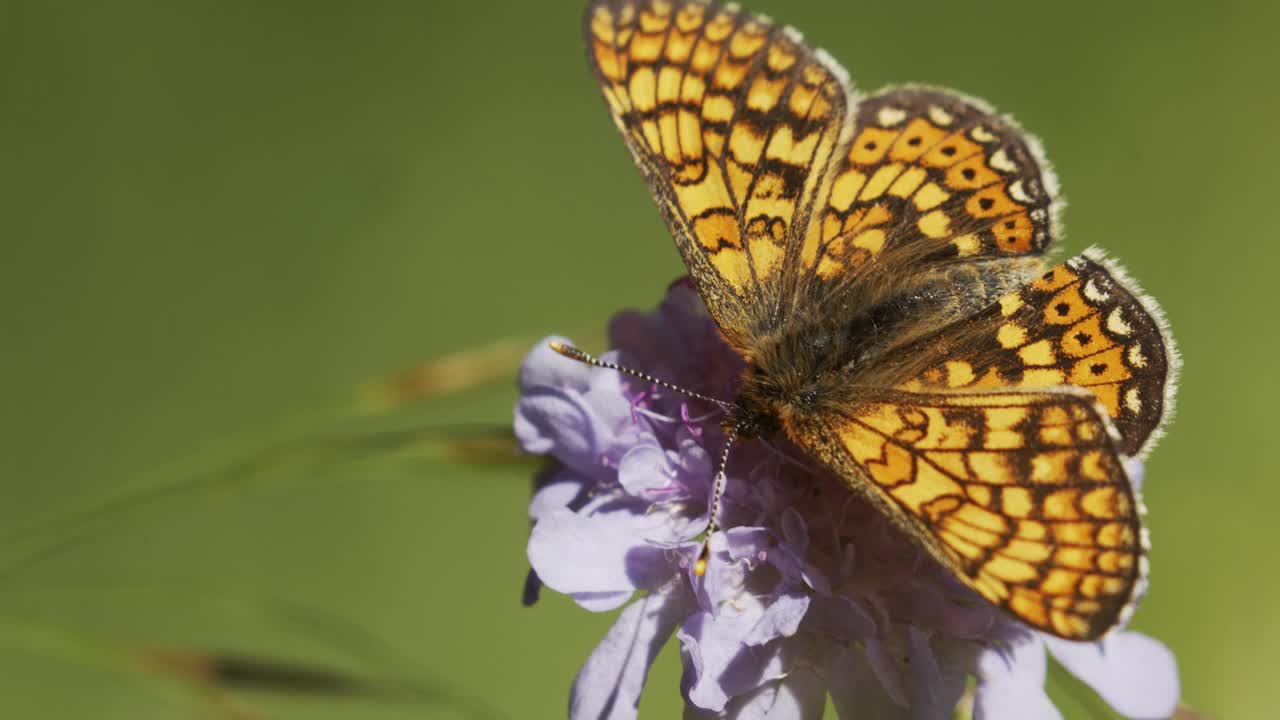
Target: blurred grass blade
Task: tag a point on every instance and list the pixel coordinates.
(321, 440)
(219, 674)
(455, 372)
(361, 644)
(388, 674)
(451, 373)
(80, 648)
(293, 461)
(60, 643)
(364, 669)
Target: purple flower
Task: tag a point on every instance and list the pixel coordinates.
(808, 590)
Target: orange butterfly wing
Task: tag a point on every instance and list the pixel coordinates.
(1021, 494)
(1082, 323)
(930, 174)
(734, 123)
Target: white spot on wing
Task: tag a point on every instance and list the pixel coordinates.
(1136, 358)
(1132, 401)
(1017, 192)
(940, 116)
(890, 116)
(1000, 161)
(981, 134)
(1092, 293)
(1116, 323)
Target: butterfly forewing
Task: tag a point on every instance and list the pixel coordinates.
(734, 123)
(1021, 494)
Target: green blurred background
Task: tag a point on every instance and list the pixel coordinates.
(218, 218)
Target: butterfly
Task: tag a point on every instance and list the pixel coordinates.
(878, 262)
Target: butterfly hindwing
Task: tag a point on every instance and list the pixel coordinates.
(1082, 323)
(1021, 494)
(930, 173)
(734, 123)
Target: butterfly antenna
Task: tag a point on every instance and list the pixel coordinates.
(574, 353)
(700, 567)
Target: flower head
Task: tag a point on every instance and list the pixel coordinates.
(808, 589)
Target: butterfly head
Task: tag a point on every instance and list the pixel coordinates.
(750, 419)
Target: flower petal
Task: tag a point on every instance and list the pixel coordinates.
(856, 692)
(722, 666)
(1135, 674)
(644, 468)
(705, 654)
(558, 490)
(885, 669)
(595, 554)
(750, 543)
(606, 395)
(557, 421)
(781, 618)
(577, 417)
(801, 695)
(953, 660)
(817, 580)
(544, 367)
(601, 601)
(1011, 684)
(609, 684)
(925, 676)
(839, 617)
(725, 576)
(698, 467)
(794, 530)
